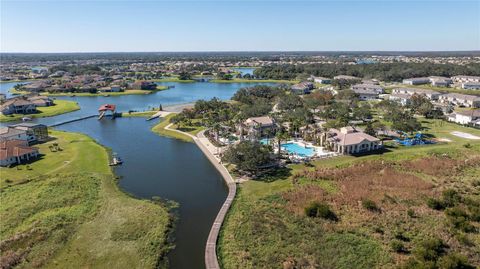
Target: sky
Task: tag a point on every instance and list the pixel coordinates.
(231, 25)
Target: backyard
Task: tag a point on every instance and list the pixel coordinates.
(60, 107)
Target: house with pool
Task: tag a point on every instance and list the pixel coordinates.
(348, 140)
(257, 127)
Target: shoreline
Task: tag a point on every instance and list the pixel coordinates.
(211, 258)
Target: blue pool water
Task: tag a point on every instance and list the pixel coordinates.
(297, 149)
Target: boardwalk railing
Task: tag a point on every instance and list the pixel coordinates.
(72, 120)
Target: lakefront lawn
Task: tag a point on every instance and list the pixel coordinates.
(66, 210)
(60, 107)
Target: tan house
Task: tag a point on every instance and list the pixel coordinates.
(348, 140)
(257, 127)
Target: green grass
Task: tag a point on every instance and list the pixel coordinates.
(83, 94)
(260, 231)
(145, 114)
(60, 107)
(66, 211)
(160, 130)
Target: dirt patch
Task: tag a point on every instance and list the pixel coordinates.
(465, 135)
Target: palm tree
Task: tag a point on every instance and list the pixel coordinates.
(280, 136)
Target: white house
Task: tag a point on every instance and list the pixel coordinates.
(403, 99)
(15, 152)
(367, 91)
(471, 85)
(458, 99)
(467, 117)
(322, 80)
(432, 95)
(416, 81)
(461, 79)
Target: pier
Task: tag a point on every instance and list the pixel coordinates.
(73, 120)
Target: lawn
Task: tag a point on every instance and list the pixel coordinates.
(267, 226)
(66, 211)
(60, 107)
(164, 122)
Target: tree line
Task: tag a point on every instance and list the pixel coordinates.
(382, 71)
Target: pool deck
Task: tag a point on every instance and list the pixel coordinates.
(211, 259)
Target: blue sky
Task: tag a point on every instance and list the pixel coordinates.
(228, 25)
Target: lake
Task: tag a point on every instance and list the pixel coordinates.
(168, 168)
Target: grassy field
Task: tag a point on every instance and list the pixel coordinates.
(144, 114)
(60, 107)
(160, 129)
(267, 226)
(83, 94)
(66, 211)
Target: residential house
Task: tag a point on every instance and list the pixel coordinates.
(302, 88)
(35, 132)
(143, 85)
(41, 101)
(466, 117)
(257, 127)
(367, 91)
(348, 140)
(3, 97)
(403, 99)
(463, 100)
(17, 105)
(416, 81)
(322, 80)
(344, 77)
(471, 85)
(431, 95)
(462, 79)
(16, 152)
(440, 81)
(8, 133)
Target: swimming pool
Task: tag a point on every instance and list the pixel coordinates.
(297, 149)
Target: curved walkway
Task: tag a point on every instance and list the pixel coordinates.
(211, 259)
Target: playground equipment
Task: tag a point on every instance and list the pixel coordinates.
(417, 139)
(104, 109)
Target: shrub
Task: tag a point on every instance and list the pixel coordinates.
(451, 198)
(435, 204)
(454, 261)
(370, 205)
(430, 249)
(459, 219)
(467, 145)
(411, 213)
(397, 246)
(316, 209)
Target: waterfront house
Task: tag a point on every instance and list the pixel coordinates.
(41, 101)
(257, 127)
(466, 117)
(348, 140)
(431, 95)
(35, 132)
(302, 88)
(9, 133)
(16, 152)
(143, 85)
(367, 91)
(416, 81)
(17, 105)
(462, 100)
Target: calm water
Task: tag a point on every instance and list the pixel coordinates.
(168, 168)
(180, 94)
